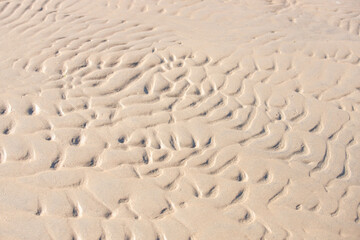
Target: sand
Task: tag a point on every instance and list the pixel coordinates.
(191, 120)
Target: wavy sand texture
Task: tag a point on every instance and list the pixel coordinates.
(175, 119)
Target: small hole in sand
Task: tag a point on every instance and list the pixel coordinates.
(6, 131)
(107, 215)
(123, 200)
(75, 140)
(143, 142)
(38, 212)
(121, 139)
(92, 162)
(145, 158)
(75, 212)
(3, 110)
(240, 177)
(31, 110)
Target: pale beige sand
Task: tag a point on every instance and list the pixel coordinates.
(177, 120)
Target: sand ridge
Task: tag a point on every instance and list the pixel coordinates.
(179, 119)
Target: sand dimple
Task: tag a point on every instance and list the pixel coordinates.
(179, 119)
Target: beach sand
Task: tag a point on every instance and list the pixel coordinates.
(179, 120)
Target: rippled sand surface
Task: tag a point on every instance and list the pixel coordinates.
(179, 120)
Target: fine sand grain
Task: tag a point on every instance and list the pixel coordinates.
(179, 119)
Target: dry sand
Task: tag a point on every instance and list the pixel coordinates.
(177, 120)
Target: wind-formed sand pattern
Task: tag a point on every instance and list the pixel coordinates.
(179, 120)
